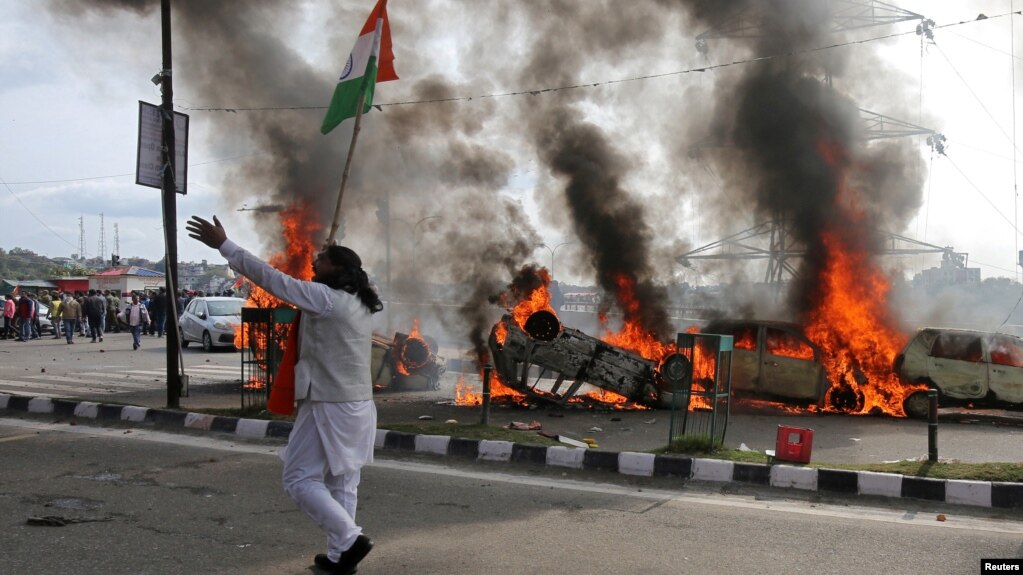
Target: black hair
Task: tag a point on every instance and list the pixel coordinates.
(351, 277)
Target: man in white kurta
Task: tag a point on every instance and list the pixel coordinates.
(335, 426)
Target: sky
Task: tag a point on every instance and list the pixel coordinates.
(484, 175)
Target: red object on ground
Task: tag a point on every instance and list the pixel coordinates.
(793, 444)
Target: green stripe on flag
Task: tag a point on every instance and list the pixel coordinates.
(346, 97)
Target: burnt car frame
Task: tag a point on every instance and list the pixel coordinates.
(965, 366)
(774, 360)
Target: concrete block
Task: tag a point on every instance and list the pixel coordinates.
(789, 476)
(632, 463)
(436, 444)
(561, 456)
(495, 450)
(712, 470)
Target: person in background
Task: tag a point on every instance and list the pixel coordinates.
(9, 308)
(334, 430)
(113, 310)
(136, 316)
(54, 316)
(71, 315)
(95, 309)
(158, 311)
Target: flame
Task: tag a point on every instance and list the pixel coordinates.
(539, 300)
(469, 395)
(851, 322)
(632, 336)
(298, 225)
(406, 362)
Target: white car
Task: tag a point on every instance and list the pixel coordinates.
(965, 366)
(211, 321)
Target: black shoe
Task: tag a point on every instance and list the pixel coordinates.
(349, 560)
(101, 340)
(325, 564)
(134, 346)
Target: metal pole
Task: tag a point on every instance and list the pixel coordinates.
(932, 425)
(348, 168)
(170, 209)
(485, 416)
(390, 289)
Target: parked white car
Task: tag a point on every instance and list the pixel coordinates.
(211, 321)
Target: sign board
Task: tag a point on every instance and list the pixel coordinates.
(149, 159)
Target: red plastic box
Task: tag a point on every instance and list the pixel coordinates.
(794, 444)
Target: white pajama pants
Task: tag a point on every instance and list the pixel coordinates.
(330, 500)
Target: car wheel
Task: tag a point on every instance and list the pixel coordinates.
(207, 341)
(917, 405)
(181, 338)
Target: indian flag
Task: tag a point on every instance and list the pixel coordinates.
(371, 61)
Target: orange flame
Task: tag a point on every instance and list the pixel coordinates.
(469, 395)
(632, 336)
(406, 362)
(298, 224)
(852, 323)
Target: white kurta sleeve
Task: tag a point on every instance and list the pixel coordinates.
(310, 297)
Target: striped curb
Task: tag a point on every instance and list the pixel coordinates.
(992, 494)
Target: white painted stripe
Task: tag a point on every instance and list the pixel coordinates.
(198, 421)
(490, 450)
(562, 456)
(134, 413)
(381, 439)
(631, 463)
(712, 470)
(968, 492)
(40, 405)
(885, 484)
(789, 476)
(432, 444)
(87, 409)
(252, 428)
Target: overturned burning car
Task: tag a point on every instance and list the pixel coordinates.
(524, 355)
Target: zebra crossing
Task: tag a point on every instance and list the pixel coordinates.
(112, 382)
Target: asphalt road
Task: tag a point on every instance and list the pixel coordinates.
(169, 504)
(112, 372)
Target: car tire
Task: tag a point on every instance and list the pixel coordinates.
(207, 341)
(181, 338)
(917, 405)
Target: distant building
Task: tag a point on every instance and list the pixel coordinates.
(950, 273)
(127, 279)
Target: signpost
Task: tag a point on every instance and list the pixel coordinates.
(149, 159)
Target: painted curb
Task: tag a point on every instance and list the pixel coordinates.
(988, 494)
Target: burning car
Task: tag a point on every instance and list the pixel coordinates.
(963, 365)
(408, 362)
(774, 360)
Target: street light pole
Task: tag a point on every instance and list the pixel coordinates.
(554, 251)
(415, 276)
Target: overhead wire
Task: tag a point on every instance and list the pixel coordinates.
(538, 91)
(978, 190)
(33, 214)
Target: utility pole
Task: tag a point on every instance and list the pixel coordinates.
(170, 211)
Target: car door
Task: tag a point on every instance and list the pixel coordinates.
(956, 365)
(745, 361)
(1005, 371)
(189, 323)
(789, 366)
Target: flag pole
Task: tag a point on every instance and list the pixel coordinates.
(348, 168)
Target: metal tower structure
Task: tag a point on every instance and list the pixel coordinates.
(102, 238)
(117, 242)
(81, 238)
(748, 244)
(845, 15)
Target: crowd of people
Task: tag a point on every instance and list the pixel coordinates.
(90, 314)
